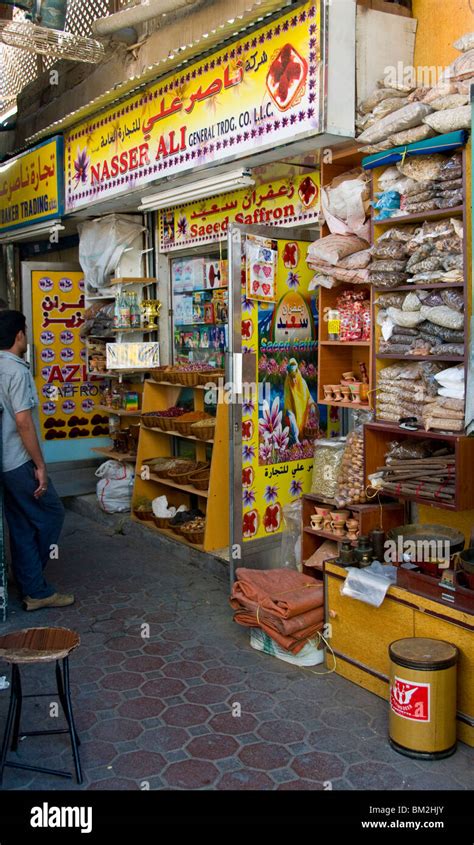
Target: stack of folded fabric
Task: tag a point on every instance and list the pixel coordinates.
(285, 604)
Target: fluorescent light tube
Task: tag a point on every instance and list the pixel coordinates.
(198, 190)
(29, 232)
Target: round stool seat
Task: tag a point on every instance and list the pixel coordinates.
(38, 645)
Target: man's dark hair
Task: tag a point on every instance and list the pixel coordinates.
(11, 322)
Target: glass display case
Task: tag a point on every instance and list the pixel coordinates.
(200, 309)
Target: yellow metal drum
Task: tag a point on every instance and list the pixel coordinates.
(422, 721)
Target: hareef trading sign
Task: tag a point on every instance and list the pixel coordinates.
(31, 186)
(287, 202)
(261, 91)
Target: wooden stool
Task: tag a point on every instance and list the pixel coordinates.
(30, 646)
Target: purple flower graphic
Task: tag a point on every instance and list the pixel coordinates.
(293, 280)
(271, 494)
(296, 488)
(247, 304)
(182, 226)
(271, 420)
(265, 452)
(248, 453)
(248, 407)
(281, 438)
(81, 166)
(248, 498)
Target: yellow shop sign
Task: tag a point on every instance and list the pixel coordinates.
(284, 202)
(261, 91)
(31, 186)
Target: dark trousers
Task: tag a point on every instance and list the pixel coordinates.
(34, 525)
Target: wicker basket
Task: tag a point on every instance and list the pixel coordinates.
(204, 432)
(173, 464)
(151, 421)
(195, 537)
(210, 376)
(200, 479)
(184, 427)
(161, 521)
(183, 477)
(178, 529)
(144, 516)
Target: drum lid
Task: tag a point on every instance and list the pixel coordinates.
(423, 653)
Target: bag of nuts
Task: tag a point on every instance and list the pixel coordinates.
(350, 488)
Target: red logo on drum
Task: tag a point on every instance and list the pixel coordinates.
(410, 701)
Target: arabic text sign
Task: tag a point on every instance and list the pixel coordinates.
(259, 92)
(289, 201)
(31, 186)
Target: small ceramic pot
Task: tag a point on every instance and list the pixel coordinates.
(350, 376)
(327, 392)
(316, 522)
(352, 535)
(340, 516)
(336, 389)
(346, 392)
(338, 529)
(352, 524)
(324, 512)
(355, 392)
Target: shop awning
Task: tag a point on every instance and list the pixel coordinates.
(440, 144)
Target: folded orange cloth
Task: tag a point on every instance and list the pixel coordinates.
(283, 592)
(293, 643)
(288, 627)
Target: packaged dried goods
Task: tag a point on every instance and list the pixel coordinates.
(442, 315)
(377, 96)
(405, 118)
(418, 94)
(435, 229)
(386, 299)
(453, 262)
(389, 105)
(404, 234)
(422, 168)
(454, 199)
(453, 299)
(395, 250)
(404, 331)
(452, 404)
(412, 302)
(326, 462)
(427, 265)
(450, 244)
(334, 247)
(356, 261)
(406, 318)
(394, 349)
(372, 149)
(387, 266)
(465, 43)
(350, 487)
(388, 178)
(406, 450)
(448, 349)
(462, 67)
(420, 207)
(388, 280)
(452, 101)
(411, 136)
(433, 299)
(443, 89)
(444, 424)
(450, 120)
(428, 329)
(464, 86)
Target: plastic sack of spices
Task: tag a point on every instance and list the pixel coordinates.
(465, 43)
(422, 168)
(450, 120)
(442, 316)
(453, 299)
(326, 462)
(405, 318)
(389, 249)
(115, 488)
(411, 136)
(387, 280)
(452, 101)
(334, 247)
(406, 117)
(462, 67)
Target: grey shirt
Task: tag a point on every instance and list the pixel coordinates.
(17, 393)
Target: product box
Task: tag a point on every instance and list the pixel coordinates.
(183, 310)
(216, 275)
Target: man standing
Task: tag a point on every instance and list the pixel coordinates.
(33, 510)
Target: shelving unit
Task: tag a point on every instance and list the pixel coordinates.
(154, 442)
(115, 456)
(118, 412)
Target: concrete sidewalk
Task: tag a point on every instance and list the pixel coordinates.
(161, 665)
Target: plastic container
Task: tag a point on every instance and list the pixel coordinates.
(422, 720)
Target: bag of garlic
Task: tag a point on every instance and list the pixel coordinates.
(350, 488)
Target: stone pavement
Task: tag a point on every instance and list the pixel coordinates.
(156, 712)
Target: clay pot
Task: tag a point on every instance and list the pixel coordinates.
(316, 522)
(327, 392)
(346, 391)
(337, 393)
(350, 376)
(355, 392)
(352, 524)
(324, 512)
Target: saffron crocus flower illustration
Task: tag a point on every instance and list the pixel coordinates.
(263, 364)
(182, 226)
(281, 438)
(247, 304)
(293, 280)
(271, 419)
(248, 498)
(271, 494)
(81, 166)
(248, 407)
(296, 488)
(248, 453)
(265, 452)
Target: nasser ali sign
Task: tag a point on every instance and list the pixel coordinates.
(262, 91)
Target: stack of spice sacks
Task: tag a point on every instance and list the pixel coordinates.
(397, 113)
(287, 608)
(339, 258)
(435, 395)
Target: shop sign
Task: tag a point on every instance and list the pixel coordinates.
(283, 202)
(67, 397)
(31, 186)
(261, 91)
(281, 422)
(410, 700)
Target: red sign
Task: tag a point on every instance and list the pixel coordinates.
(410, 701)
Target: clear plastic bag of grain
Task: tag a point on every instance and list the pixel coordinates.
(350, 489)
(326, 462)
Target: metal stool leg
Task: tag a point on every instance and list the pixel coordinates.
(9, 723)
(70, 720)
(62, 697)
(16, 679)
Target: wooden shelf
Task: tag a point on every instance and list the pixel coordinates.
(435, 214)
(327, 535)
(116, 456)
(421, 286)
(168, 533)
(355, 406)
(393, 428)
(186, 488)
(132, 280)
(139, 330)
(170, 384)
(118, 412)
(392, 356)
(176, 434)
(344, 343)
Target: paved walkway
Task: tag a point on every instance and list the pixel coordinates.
(156, 711)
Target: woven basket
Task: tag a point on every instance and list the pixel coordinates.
(184, 427)
(173, 464)
(144, 516)
(188, 379)
(184, 476)
(161, 521)
(200, 479)
(210, 376)
(178, 529)
(151, 421)
(195, 537)
(203, 432)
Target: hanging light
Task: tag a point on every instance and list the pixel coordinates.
(51, 42)
(198, 190)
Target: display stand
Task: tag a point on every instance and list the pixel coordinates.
(154, 443)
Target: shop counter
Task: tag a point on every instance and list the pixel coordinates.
(361, 634)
